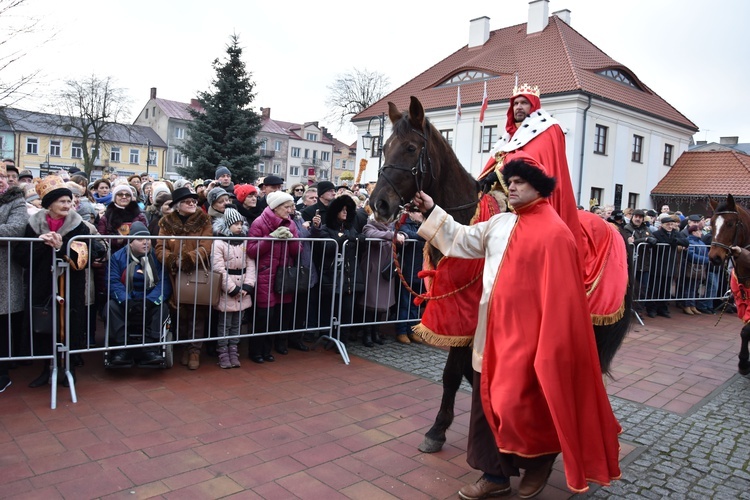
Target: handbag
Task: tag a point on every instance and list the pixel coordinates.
(201, 286)
(291, 279)
(42, 319)
(388, 271)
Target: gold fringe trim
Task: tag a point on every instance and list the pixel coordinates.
(438, 340)
(608, 319)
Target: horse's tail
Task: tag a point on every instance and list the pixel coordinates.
(609, 337)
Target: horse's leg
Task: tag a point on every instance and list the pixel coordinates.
(456, 367)
(744, 365)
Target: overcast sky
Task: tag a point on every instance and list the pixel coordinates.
(693, 54)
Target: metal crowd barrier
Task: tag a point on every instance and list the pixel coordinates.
(663, 273)
(326, 310)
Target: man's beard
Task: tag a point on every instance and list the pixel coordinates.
(520, 116)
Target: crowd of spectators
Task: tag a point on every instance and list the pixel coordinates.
(241, 232)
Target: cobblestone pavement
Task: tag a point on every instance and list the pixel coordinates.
(702, 454)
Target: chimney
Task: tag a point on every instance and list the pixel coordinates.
(538, 16)
(153, 92)
(701, 143)
(479, 31)
(265, 113)
(195, 104)
(729, 141)
(564, 15)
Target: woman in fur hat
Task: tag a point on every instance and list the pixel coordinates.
(55, 225)
(184, 256)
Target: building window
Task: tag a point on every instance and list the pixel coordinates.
(307, 153)
(54, 148)
(597, 194)
(277, 146)
(668, 150)
(179, 133)
(153, 111)
(600, 140)
(294, 171)
(325, 156)
(637, 148)
(76, 150)
(114, 154)
(295, 152)
(338, 164)
(448, 136)
(488, 138)
(277, 168)
(94, 154)
(177, 158)
(633, 200)
(32, 145)
(135, 156)
(312, 137)
(262, 168)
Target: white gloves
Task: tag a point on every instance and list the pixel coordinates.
(282, 233)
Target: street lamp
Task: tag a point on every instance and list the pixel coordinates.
(151, 158)
(368, 140)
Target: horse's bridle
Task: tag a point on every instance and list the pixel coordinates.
(418, 171)
(728, 248)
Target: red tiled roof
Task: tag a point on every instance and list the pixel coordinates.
(707, 173)
(558, 59)
(175, 109)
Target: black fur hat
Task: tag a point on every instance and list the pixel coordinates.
(532, 173)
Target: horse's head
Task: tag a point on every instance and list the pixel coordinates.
(729, 227)
(405, 159)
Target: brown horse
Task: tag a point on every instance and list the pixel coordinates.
(730, 232)
(417, 157)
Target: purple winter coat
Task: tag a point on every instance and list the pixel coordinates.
(269, 254)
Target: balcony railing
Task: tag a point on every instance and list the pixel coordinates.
(267, 153)
(314, 162)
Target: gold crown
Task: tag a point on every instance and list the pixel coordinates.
(49, 184)
(526, 89)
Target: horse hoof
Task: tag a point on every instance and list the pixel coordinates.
(430, 446)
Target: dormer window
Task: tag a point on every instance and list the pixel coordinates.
(467, 76)
(619, 76)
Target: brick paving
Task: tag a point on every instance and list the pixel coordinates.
(308, 426)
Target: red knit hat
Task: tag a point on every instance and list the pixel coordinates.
(243, 190)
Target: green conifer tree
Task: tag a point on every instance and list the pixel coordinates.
(225, 132)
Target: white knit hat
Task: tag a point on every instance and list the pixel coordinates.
(278, 198)
(117, 188)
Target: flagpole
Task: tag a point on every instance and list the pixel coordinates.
(458, 118)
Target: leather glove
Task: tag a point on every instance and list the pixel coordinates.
(282, 233)
(188, 261)
(487, 183)
(651, 240)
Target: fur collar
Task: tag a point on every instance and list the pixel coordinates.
(12, 194)
(220, 228)
(38, 222)
(117, 216)
(532, 126)
(173, 225)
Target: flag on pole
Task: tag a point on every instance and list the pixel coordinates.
(484, 104)
(458, 105)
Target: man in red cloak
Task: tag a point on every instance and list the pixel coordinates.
(538, 386)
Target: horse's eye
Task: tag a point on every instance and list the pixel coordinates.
(412, 148)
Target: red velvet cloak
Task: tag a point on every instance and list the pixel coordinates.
(542, 389)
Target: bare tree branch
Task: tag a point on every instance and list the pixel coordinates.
(15, 30)
(352, 92)
(92, 107)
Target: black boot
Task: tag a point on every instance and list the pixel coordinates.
(367, 337)
(376, 336)
(43, 378)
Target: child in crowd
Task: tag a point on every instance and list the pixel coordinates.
(229, 257)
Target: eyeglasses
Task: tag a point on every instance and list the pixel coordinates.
(299, 189)
(190, 201)
(124, 195)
